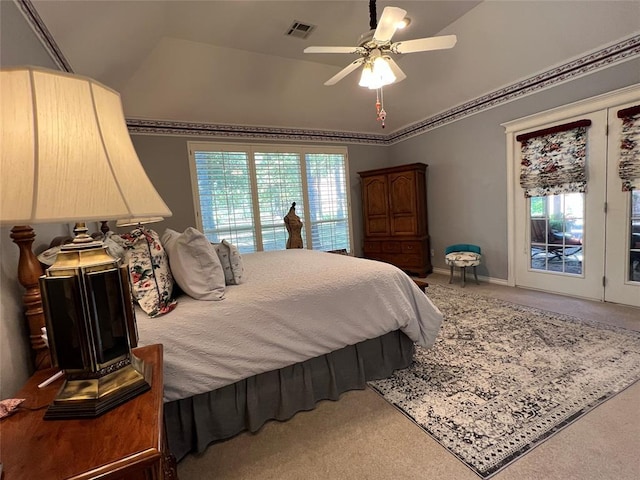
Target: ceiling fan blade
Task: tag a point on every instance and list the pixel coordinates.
(332, 50)
(400, 75)
(424, 44)
(344, 72)
(388, 24)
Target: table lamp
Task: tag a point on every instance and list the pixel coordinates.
(66, 156)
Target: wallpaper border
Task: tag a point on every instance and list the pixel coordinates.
(581, 66)
(598, 60)
(168, 127)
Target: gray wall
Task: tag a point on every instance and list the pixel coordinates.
(467, 177)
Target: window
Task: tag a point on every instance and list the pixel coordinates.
(243, 192)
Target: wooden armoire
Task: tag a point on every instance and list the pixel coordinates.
(394, 203)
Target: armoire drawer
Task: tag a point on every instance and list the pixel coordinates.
(411, 247)
(407, 259)
(391, 247)
(372, 247)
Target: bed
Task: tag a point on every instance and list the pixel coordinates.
(303, 326)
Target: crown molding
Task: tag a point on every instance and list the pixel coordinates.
(599, 59)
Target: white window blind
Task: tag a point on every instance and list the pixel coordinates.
(225, 197)
(243, 192)
(327, 188)
(279, 183)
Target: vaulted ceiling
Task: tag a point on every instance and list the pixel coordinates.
(231, 62)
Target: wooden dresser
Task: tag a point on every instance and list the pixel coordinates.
(394, 202)
(127, 442)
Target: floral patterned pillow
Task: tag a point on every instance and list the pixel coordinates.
(231, 261)
(149, 273)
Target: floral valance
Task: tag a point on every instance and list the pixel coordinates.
(629, 166)
(554, 160)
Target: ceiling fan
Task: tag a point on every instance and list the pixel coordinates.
(375, 47)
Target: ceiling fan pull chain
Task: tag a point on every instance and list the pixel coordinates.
(381, 115)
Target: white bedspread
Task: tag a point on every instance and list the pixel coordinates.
(295, 305)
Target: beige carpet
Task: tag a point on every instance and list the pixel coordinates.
(363, 437)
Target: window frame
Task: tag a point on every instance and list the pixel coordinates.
(250, 149)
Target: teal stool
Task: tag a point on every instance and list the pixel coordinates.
(463, 255)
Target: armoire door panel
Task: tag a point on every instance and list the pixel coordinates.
(404, 225)
(402, 193)
(377, 226)
(376, 206)
(376, 193)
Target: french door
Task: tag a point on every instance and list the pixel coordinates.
(561, 238)
(622, 259)
(578, 244)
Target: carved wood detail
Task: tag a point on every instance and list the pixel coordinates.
(29, 271)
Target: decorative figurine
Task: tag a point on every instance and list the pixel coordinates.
(294, 227)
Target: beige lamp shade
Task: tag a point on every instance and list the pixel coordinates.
(66, 153)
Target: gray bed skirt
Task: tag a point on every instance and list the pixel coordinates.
(195, 422)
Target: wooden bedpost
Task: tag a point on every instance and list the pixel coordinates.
(29, 271)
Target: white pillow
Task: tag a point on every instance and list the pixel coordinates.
(194, 264)
(231, 261)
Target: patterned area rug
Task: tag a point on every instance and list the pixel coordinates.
(502, 377)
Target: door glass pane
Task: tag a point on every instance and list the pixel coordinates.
(556, 232)
(634, 250)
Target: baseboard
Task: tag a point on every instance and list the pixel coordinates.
(496, 281)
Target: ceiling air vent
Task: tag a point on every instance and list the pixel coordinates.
(300, 30)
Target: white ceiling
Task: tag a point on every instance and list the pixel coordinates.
(230, 62)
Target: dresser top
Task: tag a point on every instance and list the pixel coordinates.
(398, 168)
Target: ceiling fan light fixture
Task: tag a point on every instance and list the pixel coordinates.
(374, 47)
(376, 74)
(382, 71)
(404, 23)
(366, 78)
(377, 43)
